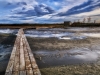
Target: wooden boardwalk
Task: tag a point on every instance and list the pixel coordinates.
(22, 61)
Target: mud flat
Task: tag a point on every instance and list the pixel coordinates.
(66, 52)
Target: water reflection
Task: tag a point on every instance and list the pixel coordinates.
(65, 57)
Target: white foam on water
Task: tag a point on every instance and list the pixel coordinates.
(59, 35)
(77, 29)
(73, 37)
(62, 35)
(47, 34)
(6, 31)
(65, 38)
(42, 36)
(94, 35)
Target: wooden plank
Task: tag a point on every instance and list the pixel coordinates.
(33, 62)
(36, 71)
(11, 60)
(22, 60)
(28, 63)
(16, 61)
(22, 73)
(32, 59)
(10, 64)
(27, 60)
(8, 73)
(15, 73)
(30, 72)
(34, 65)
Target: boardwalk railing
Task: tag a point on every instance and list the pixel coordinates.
(22, 61)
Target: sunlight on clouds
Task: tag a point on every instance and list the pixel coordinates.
(94, 12)
(27, 1)
(67, 4)
(23, 8)
(27, 21)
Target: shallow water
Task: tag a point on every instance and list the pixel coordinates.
(67, 57)
(5, 55)
(6, 46)
(54, 33)
(65, 34)
(14, 31)
(4, 51)
(54, 58)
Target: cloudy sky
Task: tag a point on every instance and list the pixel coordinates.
(48, 11)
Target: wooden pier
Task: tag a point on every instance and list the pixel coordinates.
(22, 61)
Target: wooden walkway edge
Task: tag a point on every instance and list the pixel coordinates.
(22, 61)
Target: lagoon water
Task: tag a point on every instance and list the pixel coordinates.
(63, 57)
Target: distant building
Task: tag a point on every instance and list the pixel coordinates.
(67, 23)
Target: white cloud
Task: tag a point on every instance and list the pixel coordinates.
(43, 9)
(67, 4)
(27, 21)
(45, 17)
(94, 12)
(34, 2)
(93, 4)
(27, 7)
(63, 7)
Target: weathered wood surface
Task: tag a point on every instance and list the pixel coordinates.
(22, 61)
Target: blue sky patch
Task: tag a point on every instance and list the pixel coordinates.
(47, 11)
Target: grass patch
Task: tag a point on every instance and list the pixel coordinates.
(84, 69)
